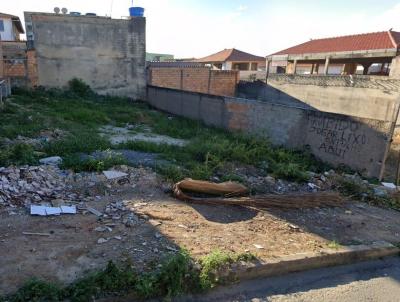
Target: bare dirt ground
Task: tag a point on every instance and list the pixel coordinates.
(160, 224)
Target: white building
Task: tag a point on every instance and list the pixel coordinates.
(10, 27)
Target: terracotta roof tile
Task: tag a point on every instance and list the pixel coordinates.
(369, 41)
(231, 55)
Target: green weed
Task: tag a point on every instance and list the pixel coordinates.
(18, 154)
(212, 263)
(80, 88)
(37, 291)
(334, 245)
(79, 164)
(175, 275)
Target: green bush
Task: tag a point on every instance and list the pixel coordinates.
(18, 154)
(37, 291)
(80, 88)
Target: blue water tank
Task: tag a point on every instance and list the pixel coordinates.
(136, 11)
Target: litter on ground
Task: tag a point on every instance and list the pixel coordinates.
(299, 200)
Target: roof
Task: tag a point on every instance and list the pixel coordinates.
(176, 64)
(369, 41)
(16, 20)
(231, 55)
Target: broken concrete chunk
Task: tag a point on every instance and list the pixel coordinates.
(110, 175)
(154, 222)
(95, 212)
(102, 240)
(103, 229)
(54, 161)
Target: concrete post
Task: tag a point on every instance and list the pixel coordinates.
(317, 68)
(395, 68)
(327, 60)
(1, 61)
(366, 67)
(181, 82)
(295, 67)
(268, 62)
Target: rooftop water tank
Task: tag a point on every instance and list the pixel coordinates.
(136, 11)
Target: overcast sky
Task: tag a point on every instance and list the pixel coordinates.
(189, 28)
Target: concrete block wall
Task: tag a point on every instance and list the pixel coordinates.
(108, 54)
(372, 97)
(196, 79)
(359, 143)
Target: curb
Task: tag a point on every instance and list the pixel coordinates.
(308, 261)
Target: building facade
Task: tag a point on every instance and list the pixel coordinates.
(108, 54)
(368, 54)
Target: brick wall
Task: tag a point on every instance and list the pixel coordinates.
(14, 69)
(18, 64)
(359, 143)
(33, 77)
(195, 79)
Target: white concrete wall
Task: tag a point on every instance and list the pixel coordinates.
(8, 33)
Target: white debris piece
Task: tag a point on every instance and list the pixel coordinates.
(38, 210)
(54, 161)
(257, 246)
(389, 185)
(49, 211)
(110, 175)
(53, 211)
(68, 210)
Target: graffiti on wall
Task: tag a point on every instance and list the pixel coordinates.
(339, 136)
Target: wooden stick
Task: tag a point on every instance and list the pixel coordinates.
(36, 234)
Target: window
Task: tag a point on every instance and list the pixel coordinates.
(254, 66)
(240, 66)
(1, 25)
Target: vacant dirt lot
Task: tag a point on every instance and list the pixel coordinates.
(72, 247)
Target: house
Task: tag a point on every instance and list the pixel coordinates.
(12, 49)
(370, 53)
(233, 59)
(10, 27)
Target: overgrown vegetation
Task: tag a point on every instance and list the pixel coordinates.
(18, 154)
(176, 275)
(359, 190)
(79, 113)
(214, 262)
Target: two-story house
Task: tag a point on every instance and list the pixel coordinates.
(10, 27)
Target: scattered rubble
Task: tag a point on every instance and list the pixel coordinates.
(111, 175)
(54, 160)
(23, 186)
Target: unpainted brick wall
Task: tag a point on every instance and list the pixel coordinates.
(32, 68)
(201, 80)
(14, 69)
